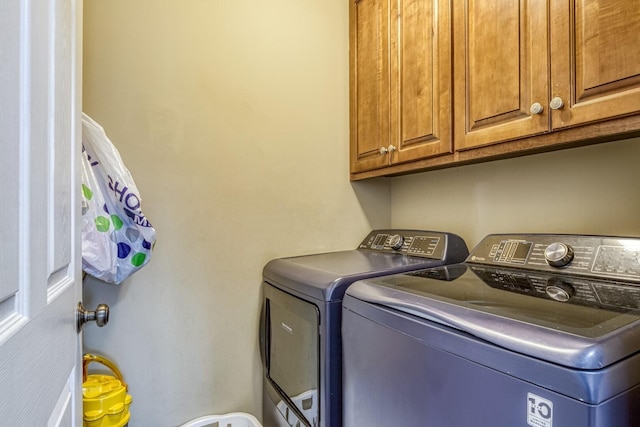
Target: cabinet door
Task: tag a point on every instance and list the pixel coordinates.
(369, 83)
(595, 59)
(421, 79)
(501, 67)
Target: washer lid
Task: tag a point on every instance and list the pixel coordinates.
(569, 320)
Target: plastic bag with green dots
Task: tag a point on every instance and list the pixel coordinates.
(117, 239)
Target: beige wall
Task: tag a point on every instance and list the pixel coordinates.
(587, 190)
(233, 119)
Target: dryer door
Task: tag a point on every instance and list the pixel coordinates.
(292, 353)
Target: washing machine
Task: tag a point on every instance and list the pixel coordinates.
(532, 330)
(301, 321)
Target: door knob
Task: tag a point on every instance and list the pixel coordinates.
(100, 316)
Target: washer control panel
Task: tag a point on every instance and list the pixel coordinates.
(599, 256)
(425, 244)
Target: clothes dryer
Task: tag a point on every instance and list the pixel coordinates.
(301, 322)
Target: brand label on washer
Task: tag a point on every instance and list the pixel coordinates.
(539, 411)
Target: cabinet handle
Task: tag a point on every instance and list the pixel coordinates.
(556, 103)
(391, 149)
(536, 108)
(383, 150)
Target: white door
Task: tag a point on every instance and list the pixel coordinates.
(40, 282)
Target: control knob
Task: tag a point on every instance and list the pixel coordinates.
(396, 241)
(559, 290)
(558, 254)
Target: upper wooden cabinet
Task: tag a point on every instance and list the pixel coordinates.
(525, 68)
(369, 83)
(595, 60)
(501, 69)
(497, 78)
(400, 81)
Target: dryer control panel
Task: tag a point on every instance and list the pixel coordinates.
(597, 256)
(425, 244)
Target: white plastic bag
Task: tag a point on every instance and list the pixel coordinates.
(117, 239)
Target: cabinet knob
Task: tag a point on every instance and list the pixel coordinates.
(556, 103)
(536, 108)
(383, 150)
(392, 148)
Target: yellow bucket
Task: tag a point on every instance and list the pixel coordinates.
(104, 397)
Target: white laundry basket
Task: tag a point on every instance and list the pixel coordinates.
(232, 419)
